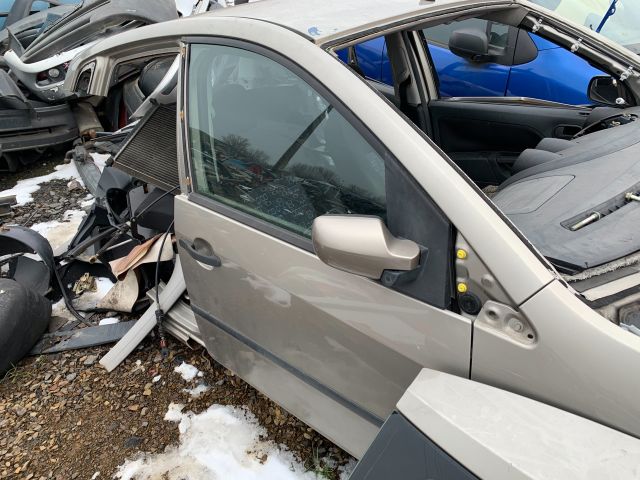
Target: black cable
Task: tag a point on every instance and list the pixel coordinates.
(68, 303)
(159, 312)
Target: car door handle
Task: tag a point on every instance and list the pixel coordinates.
(211, 260)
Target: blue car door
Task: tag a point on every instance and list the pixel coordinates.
(554, 74)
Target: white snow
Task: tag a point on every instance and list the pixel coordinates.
(188, 372)
(219, 444)
(88, 201)
(100, 159)
(24, 188)
(109, 321)
(59, 309)
(89, 299)
(174, 412)
(60, 233)
(196, 392)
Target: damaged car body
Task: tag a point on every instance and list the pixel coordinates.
(37, 112)
(332, 232)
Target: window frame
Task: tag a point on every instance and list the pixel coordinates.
(245, 218)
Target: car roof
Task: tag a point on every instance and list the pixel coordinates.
(323, 21)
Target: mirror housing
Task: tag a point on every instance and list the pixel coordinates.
(607, 91)
(470, 44)
(362, 245)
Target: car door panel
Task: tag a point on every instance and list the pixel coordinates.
(356, 338)
(485, 136)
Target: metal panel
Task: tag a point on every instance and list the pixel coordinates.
(150, 154)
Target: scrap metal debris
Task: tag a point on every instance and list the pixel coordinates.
(86, 283)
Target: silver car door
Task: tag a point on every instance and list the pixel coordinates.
(269, 150)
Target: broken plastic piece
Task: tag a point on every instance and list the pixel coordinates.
(168, 297)
(24, 316)
(28, 272)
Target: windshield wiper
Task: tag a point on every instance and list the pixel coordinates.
(608, 15)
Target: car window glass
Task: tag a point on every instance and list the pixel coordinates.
(439, 34)
(263, 141)
(460, 77)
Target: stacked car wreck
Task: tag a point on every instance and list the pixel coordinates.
(335, 250)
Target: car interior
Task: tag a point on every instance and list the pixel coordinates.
(503, 136)
(542, 162)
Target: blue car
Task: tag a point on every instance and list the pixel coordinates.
(520, 64)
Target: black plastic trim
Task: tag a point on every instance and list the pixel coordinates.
(401, 450)
(335, 396)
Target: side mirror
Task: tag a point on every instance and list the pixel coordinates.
(608, 91)
(470, 44)
(362, 245)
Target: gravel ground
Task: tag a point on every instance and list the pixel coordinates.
(64, 417)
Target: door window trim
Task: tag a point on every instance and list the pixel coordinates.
(242, 217)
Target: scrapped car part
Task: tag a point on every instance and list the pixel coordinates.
(94, 19)
(28, 125)
(150, 152)
(88, 122)
(87, 337)
(5, 205)
(33, 274)
(42, 66)
(123, 295)
(24, 316)
(180, 321)
(450, 428)
(165, 90)
(168, 297)
(27, 29)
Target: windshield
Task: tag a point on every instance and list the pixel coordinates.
(621, 26)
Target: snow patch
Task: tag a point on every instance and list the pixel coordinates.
(88, 201)
(60, 233)
(59, 309)
(100, 160)
(24, 188)
(174, 413)
(188, 372)
(109, 321)
(221, 443)
(196, 392)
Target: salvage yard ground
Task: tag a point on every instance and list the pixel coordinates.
(62, 416)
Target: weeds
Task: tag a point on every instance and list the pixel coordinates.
(322, 467)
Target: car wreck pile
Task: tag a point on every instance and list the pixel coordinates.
(126, 235)
(336, 256)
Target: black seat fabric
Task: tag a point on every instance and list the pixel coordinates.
(582, 149)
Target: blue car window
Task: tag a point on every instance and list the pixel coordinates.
(458, 77)
(526, 65)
